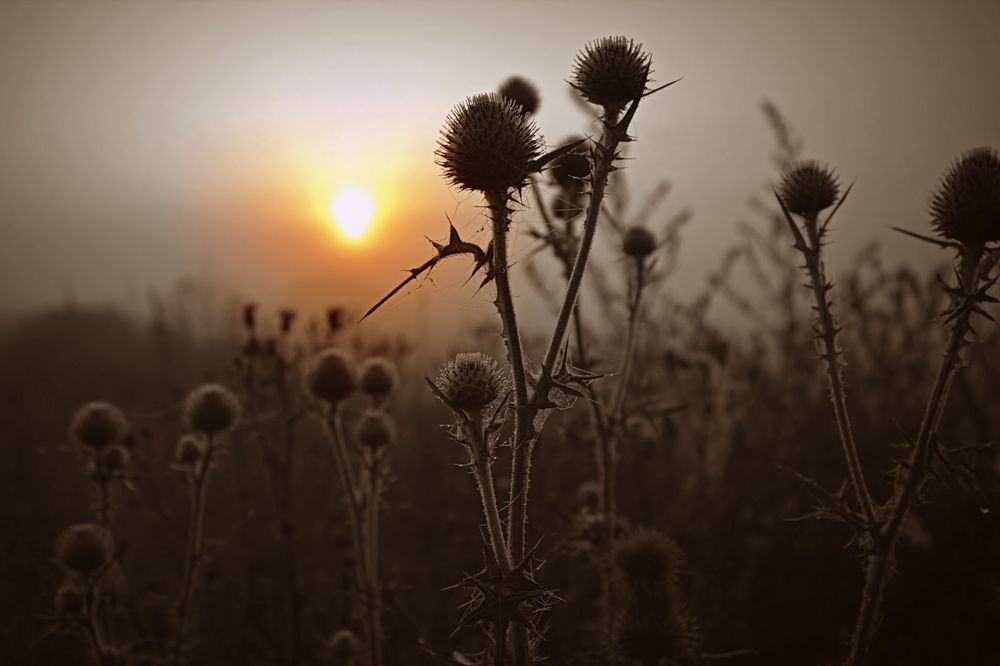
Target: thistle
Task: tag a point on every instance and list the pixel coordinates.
(655, 623)
(84, 548)
(378, 379)
(471, 382)
(807, 188)
(612, 72)
(211, 409)
(966, 205)
(638, 243)
(488, 144)
(98, 424)
(522, 92)
(331, 377)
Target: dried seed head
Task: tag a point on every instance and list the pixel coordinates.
(522, 92)
(69, 600)
(612, 72)
(211, 409)
(83, 548)
(343, 647)
(331, 376)
(97, 425)
(115, 460)
(378, 377)
(471, 381)
(488, 144)
(647, 559)
(806, 188)
(638, 242)
(190, 450)
(376, 429)
(569, 169)
(966, 205)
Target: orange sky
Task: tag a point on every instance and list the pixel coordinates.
(141, 142)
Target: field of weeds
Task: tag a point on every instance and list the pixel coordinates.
(627, 483)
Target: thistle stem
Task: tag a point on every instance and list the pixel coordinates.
(831, 355)
(356, 516)
(195, 547)
(880, 563)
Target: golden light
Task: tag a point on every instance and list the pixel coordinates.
(352, 209)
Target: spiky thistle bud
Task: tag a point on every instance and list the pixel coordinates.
(471, 381)
(638, 242)
(69, 601)
(808, 187)
(376, 429)
(343, 648)
(654, 623)
(97, 425)
(190, 449)
(115, 460)
(83, 548)
(488, 144)
(378, 378)
(522, 92)
(570, 169)
(331, 377)
(611, 72)
(647, 558)
(966, 205)
(211, 409)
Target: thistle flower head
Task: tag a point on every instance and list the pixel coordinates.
(331, 377)
(69, 601)
(647, 558)
(522, 92)
(612, 71)
(376, 429)
(115, 460)
(808, 187)
(638, 242)
(343, 647)
(97, 425)
(211, 409)
(190, 449)
(471, 381)
(83, 548)
(569, 169)
(966, 205)
(378, 378)
(488, 144)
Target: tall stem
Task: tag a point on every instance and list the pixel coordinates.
(356, 516)
(195, 547)
(371, 548)
(834, 372)
(880, 563)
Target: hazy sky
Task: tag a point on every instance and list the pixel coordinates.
(144, 141)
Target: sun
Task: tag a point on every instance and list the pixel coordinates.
(352, 209)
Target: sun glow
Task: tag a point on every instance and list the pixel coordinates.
(352, 209)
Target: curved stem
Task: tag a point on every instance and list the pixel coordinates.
(880, 563)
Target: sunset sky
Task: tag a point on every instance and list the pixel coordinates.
(144, 142)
